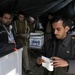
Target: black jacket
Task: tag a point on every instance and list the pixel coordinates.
(65, 51)
(4, 35)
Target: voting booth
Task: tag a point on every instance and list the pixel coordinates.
(11, 64)
(36, 40)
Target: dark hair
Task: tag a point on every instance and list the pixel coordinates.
(7, 12)
(20, 12)
(64, 19)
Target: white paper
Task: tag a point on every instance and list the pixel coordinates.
(47, 64)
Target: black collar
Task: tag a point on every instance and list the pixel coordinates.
(66, 41)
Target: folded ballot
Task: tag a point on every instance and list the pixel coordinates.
(47, 64)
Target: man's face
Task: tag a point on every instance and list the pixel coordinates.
(21, 18)
(31, 21)
(59, 31)
(6, 19)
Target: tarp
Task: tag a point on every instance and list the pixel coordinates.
(37, 7)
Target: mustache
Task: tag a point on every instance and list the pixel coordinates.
(57, 35)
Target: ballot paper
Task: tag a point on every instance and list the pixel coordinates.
(47, 64)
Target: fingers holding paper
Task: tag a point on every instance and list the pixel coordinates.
(58, 62)
(40, 60)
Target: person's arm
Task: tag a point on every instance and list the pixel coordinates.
(71, 61)
(71, 68)
(39, 60)
(69, 64)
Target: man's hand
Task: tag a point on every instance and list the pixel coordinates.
(39, 60)
(24, 35)
(58, 62)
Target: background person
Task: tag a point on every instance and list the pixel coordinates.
(22, 29)
(31, 24)
(49, 32)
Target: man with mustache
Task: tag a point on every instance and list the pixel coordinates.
(7, 34)
(61, 49)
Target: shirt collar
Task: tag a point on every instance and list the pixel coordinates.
(66, 41)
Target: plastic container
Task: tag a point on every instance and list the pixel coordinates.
(36, 40)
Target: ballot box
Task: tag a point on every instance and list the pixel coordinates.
(36, 40)
(11, 64)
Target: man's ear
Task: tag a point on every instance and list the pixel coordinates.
(67, 28)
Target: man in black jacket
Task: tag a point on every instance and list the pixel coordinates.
(6, 28)
(60, 49)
